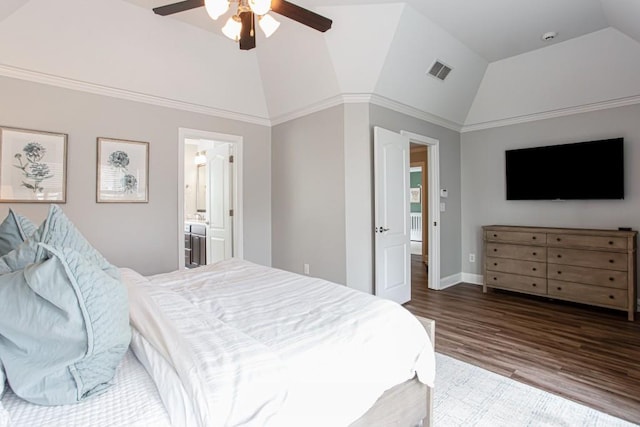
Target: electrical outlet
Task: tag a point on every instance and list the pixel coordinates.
(306, 269)
(472, 257)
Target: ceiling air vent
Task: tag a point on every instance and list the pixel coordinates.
(439, 70)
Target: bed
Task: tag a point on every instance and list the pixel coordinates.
(235, 343)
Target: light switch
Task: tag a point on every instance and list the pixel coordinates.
(444, 193)
(443, 207)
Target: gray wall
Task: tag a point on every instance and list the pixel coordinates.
(141, 236)
(450, 235)
(483, 179)
(308, 199)
(358, 169)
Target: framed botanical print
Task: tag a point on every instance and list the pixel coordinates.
(33, 166)
(123, 171)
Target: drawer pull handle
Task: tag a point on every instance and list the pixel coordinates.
(611, 261)
(611, 279)
(534, 237)
(533, 284)
(610, 242)
(495, 235)
(495, 263)
(559, 288)
(495, 250)
(535, 253)
(611, 297)
(534, 269)
(559, 272)
(495, 278)
(559, 256)
(558, 239)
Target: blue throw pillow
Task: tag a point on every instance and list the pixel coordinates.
(64, 328)
(3, 380)
(14, 230)
(56, 230)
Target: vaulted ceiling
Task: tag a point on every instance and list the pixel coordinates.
(376, 51)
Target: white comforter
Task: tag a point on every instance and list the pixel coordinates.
(235, 343)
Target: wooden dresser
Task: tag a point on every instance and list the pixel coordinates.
(596, 267)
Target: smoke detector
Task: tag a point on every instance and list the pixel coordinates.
(550, 35)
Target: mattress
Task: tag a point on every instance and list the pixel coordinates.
(310, 352)
(132, 400)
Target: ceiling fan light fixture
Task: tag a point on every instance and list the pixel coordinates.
(268, 24)
(232, 28)
(216, 8)
(260, 7)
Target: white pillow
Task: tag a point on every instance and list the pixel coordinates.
(4, 417)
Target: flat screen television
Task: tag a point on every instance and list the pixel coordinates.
(579, 171)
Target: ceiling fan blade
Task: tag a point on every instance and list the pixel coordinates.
(170, 9)
(301, 15)
(248, 33)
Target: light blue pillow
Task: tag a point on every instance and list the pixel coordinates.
(14, 230)
(3, 380)
(56, 230)
(64, 328)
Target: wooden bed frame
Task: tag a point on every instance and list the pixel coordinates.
(408, 404)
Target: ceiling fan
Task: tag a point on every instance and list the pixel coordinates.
(241, 25)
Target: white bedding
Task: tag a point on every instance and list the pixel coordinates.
(251, 345)
(133, 400)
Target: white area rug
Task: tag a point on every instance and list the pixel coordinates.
(466, 395)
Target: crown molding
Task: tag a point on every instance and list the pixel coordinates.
(414, 112)
(353, 98)
(366, 98)
(66, 83)
(310, 109)
(597, 106)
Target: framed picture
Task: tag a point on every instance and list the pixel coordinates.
(415, 195)
(33, 166)
(123, 171)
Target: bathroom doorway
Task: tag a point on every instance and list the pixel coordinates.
(210, 215)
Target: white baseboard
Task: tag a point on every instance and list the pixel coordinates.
(474, 279)
(454, 279)
(449, 281)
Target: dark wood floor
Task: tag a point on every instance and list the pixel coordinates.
(585, 354)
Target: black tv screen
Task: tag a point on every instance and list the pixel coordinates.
(580, 171)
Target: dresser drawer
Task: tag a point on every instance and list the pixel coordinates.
(516, 237)
(515, 282)
(588, 242)
(595, 259)
(589, 276)
(521, 252)
(527, 268)
(606, 297)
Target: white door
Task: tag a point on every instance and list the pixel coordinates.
(392, 226)
(220, 241)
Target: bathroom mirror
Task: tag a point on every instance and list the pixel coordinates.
(201, 189)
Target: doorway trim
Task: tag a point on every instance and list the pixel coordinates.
(237, 189)
(433, 171)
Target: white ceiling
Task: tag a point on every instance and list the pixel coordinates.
(376, 50)
(494, 29)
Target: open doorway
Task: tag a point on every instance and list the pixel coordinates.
(419, 216)
(425, 265)
(210, 189)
